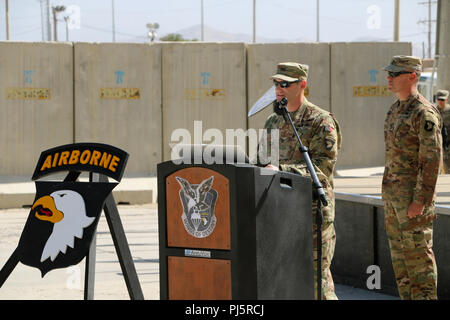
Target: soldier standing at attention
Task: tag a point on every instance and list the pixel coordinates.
(444, 108)
(320, 133)
(412, 133)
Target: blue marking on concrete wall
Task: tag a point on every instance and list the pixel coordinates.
(119, 76)
(28, 76)
(373, 75)
(205, 77)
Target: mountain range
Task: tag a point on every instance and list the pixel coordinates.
(214, 35)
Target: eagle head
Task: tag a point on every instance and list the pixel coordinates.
(66, 210)
(45, 210)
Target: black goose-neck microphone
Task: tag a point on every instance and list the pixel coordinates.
(278, 108)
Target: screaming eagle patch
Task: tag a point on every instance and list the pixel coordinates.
(429, 125)
(64, 215)
(61, 223)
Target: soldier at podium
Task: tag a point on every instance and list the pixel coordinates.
(319, 132)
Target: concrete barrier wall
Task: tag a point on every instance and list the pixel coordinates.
(134, 96)
(360, 99)
(354, 251)
(118, 100)
(262, 63)
(203, 81)
(443, 60)
(36, 102)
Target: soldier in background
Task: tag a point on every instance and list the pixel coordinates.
(413, 142)
(320, 133)
(444, 108)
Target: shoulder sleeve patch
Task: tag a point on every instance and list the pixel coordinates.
(429, 122)
(429, 125)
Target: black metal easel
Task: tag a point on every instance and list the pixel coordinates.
(121, 246)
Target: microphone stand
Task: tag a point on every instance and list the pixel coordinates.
(319, 190)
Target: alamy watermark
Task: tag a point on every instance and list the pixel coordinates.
(374, 280)
(73, 13)
(211, 147)
(374, 19)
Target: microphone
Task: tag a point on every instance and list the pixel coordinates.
(281, 106)
(278, 108)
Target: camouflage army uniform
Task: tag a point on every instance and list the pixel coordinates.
(412, 133)
(446, 144)
(320, 133)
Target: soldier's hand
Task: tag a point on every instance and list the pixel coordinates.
(415, 209)
(271, 166)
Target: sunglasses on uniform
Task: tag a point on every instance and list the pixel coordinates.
(396, 74)
(283, 84)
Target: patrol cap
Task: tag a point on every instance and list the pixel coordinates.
(442, 95)
(404, 63)
(291, 71)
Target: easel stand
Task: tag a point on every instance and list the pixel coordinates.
(122, 249)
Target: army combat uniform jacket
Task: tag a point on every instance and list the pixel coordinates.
(446, 137)
(445, 114)
(413, 142)
(320, 133)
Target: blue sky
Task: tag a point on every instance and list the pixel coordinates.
(286, 20)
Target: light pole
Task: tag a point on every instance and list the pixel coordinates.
(152, 27)
(317, 21)
(254, 21)
(66, 19)
(397, 20)
(55, 11)
(428, 22)
(202, 23)
(7, 19)
(45, 20)
(113, 22)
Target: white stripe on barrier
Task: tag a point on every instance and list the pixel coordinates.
(378, 202)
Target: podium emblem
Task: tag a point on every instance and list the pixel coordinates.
(199, 201)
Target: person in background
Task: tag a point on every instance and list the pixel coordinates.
(444, 108)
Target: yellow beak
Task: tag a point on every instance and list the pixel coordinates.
(46, 210)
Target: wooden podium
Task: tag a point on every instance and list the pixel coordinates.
(233, 231)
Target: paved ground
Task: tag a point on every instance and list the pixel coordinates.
(140, 223)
